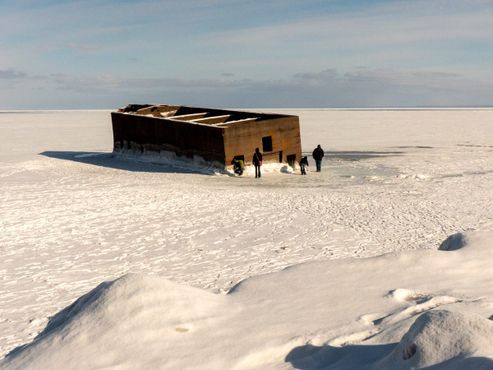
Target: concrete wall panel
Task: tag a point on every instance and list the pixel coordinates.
(157, 134)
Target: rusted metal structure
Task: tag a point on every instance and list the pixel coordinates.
(216, 135)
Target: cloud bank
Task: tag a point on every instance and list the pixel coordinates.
(330, 88)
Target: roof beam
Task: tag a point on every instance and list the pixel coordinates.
(213, 119)
(189, 117)
(237, 121)
(158, 110)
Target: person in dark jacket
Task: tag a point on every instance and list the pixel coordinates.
(317, 155)
(303, 164)
(257, 162)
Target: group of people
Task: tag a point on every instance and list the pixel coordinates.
(317, 154)
(239, 165)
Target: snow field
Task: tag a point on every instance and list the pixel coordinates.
(395, 181)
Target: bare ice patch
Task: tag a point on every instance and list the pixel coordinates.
(453, 242)
(406, 295)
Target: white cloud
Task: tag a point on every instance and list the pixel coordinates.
(11, 74)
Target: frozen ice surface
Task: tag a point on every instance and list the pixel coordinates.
(73, 215)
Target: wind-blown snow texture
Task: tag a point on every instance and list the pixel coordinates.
(393, 181)
(327, 314)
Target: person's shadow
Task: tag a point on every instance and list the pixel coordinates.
(116, 161)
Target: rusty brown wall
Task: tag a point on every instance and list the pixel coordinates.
(155, 134)
(243, 138)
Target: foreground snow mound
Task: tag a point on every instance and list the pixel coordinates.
(444, 339)
(438, 340)
(123, 321)
(336, 314)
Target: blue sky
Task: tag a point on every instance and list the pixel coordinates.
(245, 53)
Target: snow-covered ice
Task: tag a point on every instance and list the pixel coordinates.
(361, 238)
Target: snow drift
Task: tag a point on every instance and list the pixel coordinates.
(388, 312)
(130, 321)
(444, 338)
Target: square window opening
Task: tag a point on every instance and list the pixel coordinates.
(267, 144)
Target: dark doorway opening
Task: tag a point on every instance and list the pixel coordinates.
(280, 156)
(291, 159)
(267, 143)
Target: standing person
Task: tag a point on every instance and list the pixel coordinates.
(257, 162)
(303, 164)
(317, 155)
